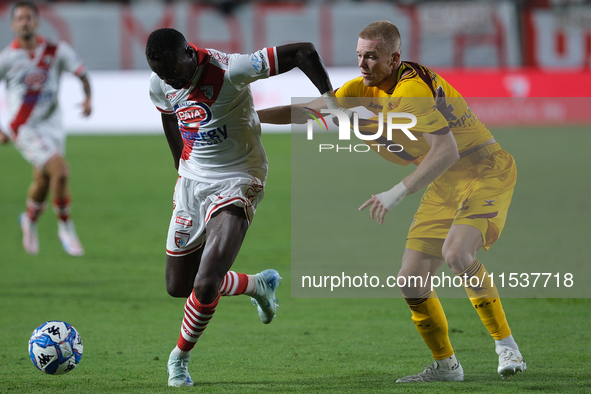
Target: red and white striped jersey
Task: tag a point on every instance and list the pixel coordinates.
(32, 81)
(216, 116)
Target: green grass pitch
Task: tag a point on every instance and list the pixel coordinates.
(115, 295)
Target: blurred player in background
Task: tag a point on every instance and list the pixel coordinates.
(469, 180)
(214, 135)
(32, 66)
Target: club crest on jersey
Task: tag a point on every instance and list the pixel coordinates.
(46, 61)
(207, 91)
(193, 114)
(181, 239)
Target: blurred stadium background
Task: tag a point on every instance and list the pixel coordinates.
(523, 48)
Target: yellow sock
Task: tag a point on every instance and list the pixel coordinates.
(485, 299)
(430, 321)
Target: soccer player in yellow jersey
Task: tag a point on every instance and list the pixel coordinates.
(469, 181)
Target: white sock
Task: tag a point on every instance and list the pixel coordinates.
(251, 287)
(178, 352)
(504, 343)
(449, 363)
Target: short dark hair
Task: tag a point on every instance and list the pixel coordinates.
(24, 3)
(163, 42)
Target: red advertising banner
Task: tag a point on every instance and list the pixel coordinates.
(522, 82)
(525, 96)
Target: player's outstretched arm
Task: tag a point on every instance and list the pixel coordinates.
(289, 114)
(304, 56)
(86, 104)
(175, 141)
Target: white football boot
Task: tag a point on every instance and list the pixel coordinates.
(67, 235)
(265, 301)
(510, 362)
(30, 238)
(178, 371)
(437, 373)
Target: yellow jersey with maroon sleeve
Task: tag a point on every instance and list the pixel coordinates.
(419, 91)
(475, 191)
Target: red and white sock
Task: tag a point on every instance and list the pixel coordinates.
(236, 284)
(34, 209)
(197, 316)
(61, 207)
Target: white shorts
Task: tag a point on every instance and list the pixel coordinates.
(39, 145)
(195, 202)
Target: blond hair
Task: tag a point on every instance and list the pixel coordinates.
(384, 31)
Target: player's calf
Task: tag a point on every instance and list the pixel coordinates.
(30, 238)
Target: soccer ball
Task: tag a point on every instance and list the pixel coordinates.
(55, 347)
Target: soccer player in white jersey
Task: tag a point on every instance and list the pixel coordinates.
(31, 66)
(214, 135)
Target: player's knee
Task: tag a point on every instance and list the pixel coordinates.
(41, 184)
(178, 290)
(412, 285)
(57, 170)
(456, 258)
(206, 289)
(61, 177)
(405, 288)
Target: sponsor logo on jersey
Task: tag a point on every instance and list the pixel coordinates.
(205, 137)
(183, 221)
(35, 79)
(193, 114)
(181, 239)
(468, 119)
(171, 96)
(376, 106)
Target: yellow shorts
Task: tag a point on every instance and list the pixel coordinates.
(476, 191)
